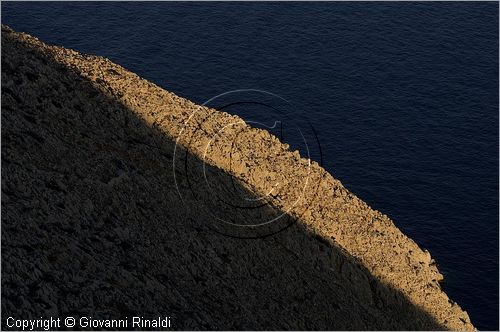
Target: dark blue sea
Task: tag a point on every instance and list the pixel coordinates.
(403, 98)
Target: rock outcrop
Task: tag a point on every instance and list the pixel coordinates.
(120, 198)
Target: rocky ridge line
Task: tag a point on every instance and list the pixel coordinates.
(326, 208)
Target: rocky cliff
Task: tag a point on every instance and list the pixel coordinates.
(120, 198)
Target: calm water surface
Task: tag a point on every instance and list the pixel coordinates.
(403, 96)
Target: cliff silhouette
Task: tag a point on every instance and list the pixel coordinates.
(120, 198)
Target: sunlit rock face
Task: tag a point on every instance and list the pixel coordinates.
(121, 199)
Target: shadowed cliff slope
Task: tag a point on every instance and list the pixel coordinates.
(104, 216)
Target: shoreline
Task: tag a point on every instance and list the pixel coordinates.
(377, 265)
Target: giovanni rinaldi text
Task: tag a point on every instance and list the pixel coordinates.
(87, 322)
